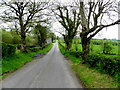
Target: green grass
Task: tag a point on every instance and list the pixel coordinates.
(54, 41)
(12, 63)
(91, 78)
(96, 48)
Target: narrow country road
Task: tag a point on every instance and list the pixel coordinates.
(50, 71)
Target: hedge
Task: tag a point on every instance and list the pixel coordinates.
(7, 49)
(109, 65)
(77, 54)
(34, 49)
(105, 64)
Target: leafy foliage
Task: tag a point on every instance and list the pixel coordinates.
(16, 38)
(11, 49)
(7, 37)
(105, 64)
(40, 33)
(107, 48)
(4, 50)
(8, 50)
(75, 53)
(89, 76)
(10, 37)
(35, 49)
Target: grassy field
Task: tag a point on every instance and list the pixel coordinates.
(95, 48)
(12, 63)
(91, 78)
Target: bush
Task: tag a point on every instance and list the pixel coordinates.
(18, 46)
(10, 37)
(114, 43)
(107, 48)
(16, 38)
(34, 49)
(11, 49)
(96, 42)
(76, 54)
(105, 64)
(45, 45)
(7, 50)
(4, 50)
(6, 37)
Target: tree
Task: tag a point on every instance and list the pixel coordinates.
(41, 33)
(16, 38)
(52, 36)
(69, 22)
(93, 17)
(6, 37)
(23, 13)
(107, 47)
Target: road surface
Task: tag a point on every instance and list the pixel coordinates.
(50, 71)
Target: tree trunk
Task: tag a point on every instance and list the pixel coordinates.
(39, 41)
(85, 48)
(68, 41)
(23, 46)
(68, 45)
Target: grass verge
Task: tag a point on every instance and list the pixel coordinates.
(12, 63)
(91, 78)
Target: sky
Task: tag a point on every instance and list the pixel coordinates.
(111, 32)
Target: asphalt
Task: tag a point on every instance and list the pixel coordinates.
(50, 71)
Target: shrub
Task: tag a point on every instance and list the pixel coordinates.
(107, 48)
(61, 44)
(6, 37)
(29, 40)
(18, 46)
(76, 54)
(34, 49)
(105, 64)
(16, 38)
(91, 47)
(10, 37)
(8, 50)
(11, 49)
(4, 50)
(96, 42)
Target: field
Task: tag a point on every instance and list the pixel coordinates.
(93, 47)
(102, 70)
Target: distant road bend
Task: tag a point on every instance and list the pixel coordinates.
(50, 71)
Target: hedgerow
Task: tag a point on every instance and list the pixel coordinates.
(7, 49)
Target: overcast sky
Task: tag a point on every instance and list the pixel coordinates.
(109, 33)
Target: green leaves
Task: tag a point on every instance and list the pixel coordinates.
(105, 64)
(7, 50)
(107, 47)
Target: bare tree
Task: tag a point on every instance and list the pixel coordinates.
(24, 13)
(69, 19)
(94, 17)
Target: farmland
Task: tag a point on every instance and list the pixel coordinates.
(94, 48)
(98, 62)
